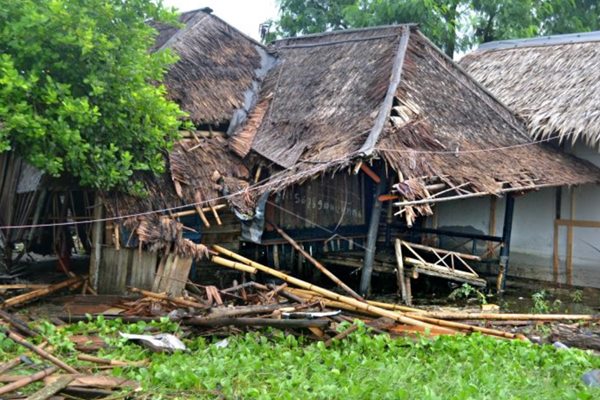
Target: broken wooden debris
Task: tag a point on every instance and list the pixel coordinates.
(15, 337)
(26, 380)
(73, 283)
(52, 388)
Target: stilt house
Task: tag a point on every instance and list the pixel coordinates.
(553, 84)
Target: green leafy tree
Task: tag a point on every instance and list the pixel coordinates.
(454, 25)
(80, 92)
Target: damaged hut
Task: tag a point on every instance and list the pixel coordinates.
(214, 81)
(553, 84)
(360, 133)
(331, 147)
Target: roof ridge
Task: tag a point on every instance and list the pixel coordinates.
(386, 106)
(345, 32)
(540, 41)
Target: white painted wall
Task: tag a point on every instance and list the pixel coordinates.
(533, 226)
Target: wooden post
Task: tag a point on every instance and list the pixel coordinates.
(97, 234)
(569, 262)
(400, 270)
(367, 270)
(506, 234)
(492, 224)
(555, 260)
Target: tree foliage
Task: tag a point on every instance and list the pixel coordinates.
(454, 25)
(80, 93)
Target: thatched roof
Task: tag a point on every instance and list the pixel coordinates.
(339, 97)
(219, 67)
(553, 83)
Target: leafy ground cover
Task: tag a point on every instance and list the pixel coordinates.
(273, 365)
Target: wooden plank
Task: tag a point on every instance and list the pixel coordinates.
(442, 272)
(578, 223)
(174, 276)
(435, 250)
(53, 388)
(114, 269)
(143, 269)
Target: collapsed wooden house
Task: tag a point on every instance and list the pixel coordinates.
(333, 147)
(553, 84)
(30, 197)
(342, 140)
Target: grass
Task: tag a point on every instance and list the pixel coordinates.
(272, 365)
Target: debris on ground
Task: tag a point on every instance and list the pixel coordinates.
(292, 305)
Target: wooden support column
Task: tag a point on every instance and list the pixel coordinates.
(400, 277)
(569, 262)
(555, 260)
(506, 234)
(492, 225)
(97, 235)
(367, 270)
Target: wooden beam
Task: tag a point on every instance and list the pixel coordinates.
(370, 173)
(578, 223)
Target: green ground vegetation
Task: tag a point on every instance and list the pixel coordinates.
(274, 365)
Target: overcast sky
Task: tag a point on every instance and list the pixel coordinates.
(245, 15)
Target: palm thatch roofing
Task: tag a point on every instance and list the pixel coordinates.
(215, 81)
(553, 83)
(339, 97)
(332, 100)
(218, 68)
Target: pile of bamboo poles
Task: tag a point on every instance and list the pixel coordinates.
(444, 322)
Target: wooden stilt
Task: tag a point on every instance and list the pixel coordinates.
(367, 270)
(400, 271)
(407, 284)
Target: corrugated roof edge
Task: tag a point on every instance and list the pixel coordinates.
(551, 40)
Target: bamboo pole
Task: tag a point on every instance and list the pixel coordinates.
(192, 212)
(27, 380)
(106, 361)
(316, 263)
(13, 301)
(421, 316)
(14, 286)
(163, 296)
(510, 317)
(324, 292)
(15, 337)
